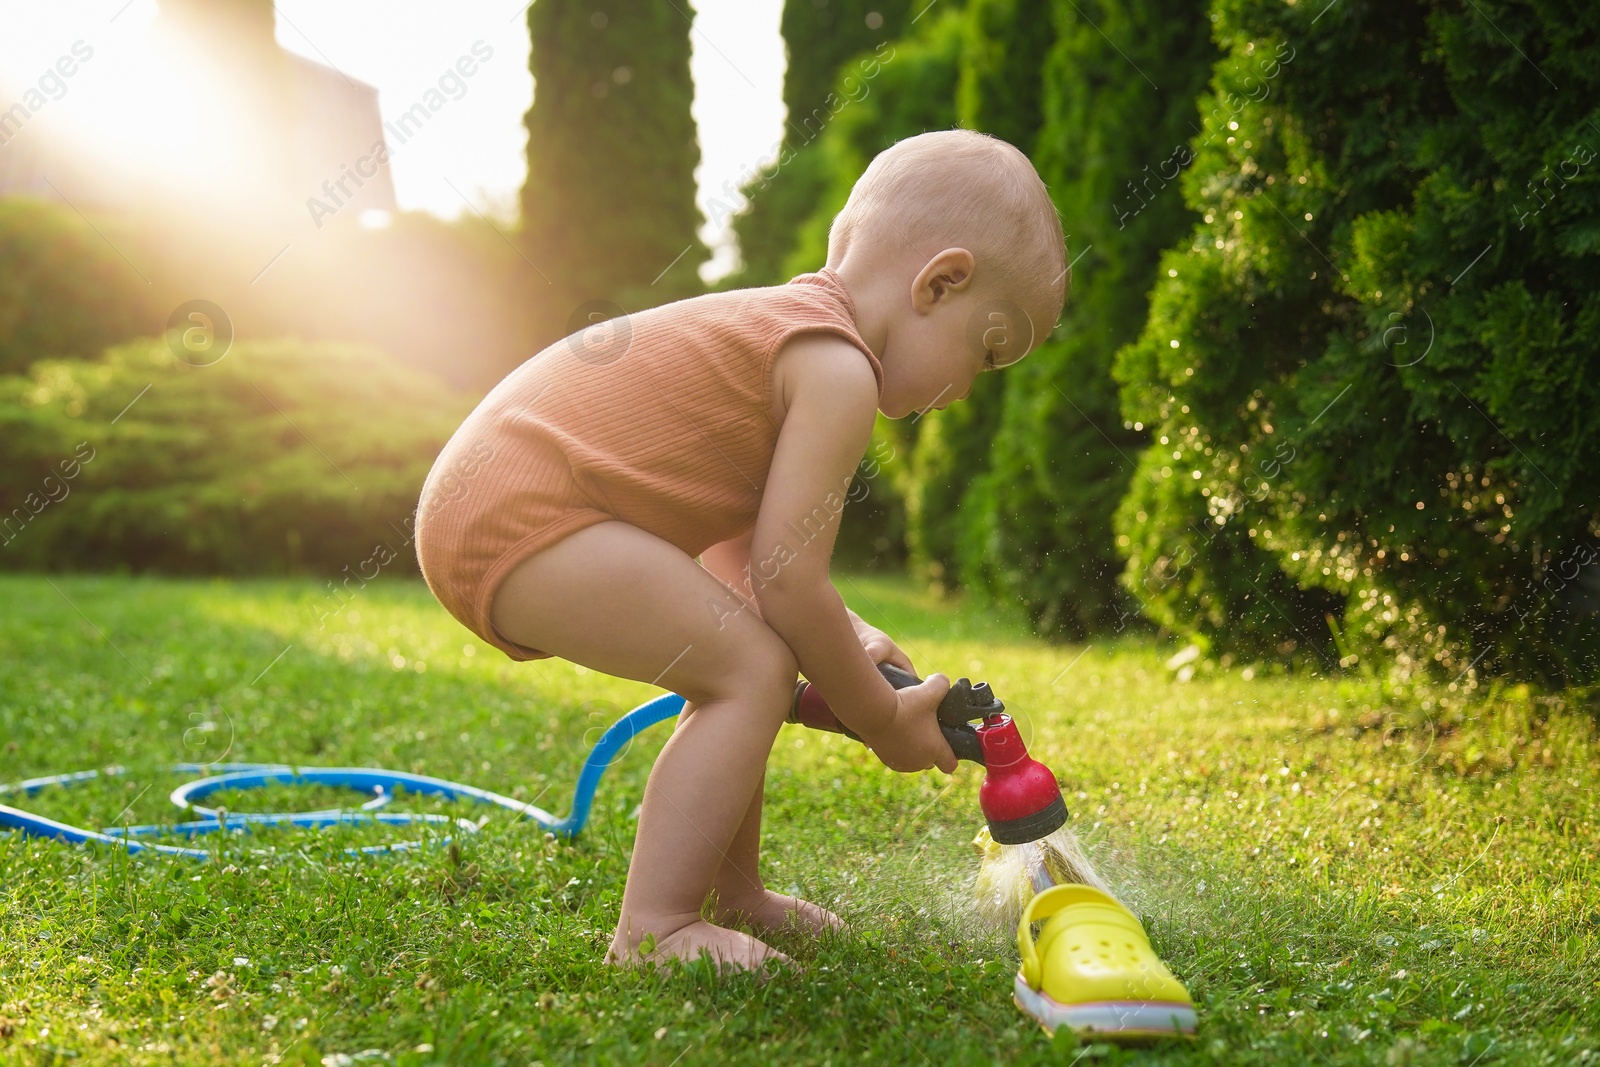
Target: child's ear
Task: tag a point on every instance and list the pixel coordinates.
(945, 274)
(950, 281)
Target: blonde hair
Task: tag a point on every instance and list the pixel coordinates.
(962, 188)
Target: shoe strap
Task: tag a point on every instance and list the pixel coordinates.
(1041, 907)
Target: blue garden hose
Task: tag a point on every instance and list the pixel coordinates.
(380, 783)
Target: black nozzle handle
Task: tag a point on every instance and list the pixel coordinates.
(964, 702)
(960, 706)
(954, 721)
(964, 742)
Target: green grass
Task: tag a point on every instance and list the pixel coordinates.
(1336, 880)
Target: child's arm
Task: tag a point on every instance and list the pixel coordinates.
(831, 396)
(730, 561)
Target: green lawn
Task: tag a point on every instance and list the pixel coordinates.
(1335, 880)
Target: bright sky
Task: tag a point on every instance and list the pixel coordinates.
(402, 46)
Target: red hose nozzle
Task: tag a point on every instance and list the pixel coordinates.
(1019, 796)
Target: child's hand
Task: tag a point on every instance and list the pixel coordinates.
(880, 648)
(913, 741)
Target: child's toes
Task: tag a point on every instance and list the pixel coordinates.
(817, 917)
(726, 948)
(782, 910)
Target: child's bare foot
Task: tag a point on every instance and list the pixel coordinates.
(726, 947)
(773, 911)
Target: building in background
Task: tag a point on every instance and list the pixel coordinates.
(212, 120)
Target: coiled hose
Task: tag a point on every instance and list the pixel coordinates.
(380, 783)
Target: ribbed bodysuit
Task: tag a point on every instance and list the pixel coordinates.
(661, 419)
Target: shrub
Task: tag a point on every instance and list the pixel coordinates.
(912, 90)
(64, 289)
(1370, 368)
(608, 206)
(280, 458)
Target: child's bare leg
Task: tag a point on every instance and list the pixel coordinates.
(624, 602)
(738, 889)
(742, 894)
(694, 801)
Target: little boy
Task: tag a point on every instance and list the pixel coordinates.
(727, 427)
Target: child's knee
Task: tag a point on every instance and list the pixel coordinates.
(761, 671)
(782, 666)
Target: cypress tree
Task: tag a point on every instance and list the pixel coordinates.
(998, 82)
(1000, 90)
(912, 89)
(1036, 526)
(821, 37)
(609, 204)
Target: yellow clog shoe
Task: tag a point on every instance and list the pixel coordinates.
(1093, 970)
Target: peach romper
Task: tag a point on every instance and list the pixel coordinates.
(661, 419)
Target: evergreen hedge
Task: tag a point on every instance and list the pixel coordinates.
(1371, 366)
(995, 49)
(821, 41)
(279, 458)
(911, 88)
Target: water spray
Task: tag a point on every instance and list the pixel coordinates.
(1025, 847)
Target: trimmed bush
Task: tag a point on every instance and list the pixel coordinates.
(1000, 86)
(997, 61)
(280, 458)
(913, 87)
(1371, 369)
(913, 90)
(64, 291)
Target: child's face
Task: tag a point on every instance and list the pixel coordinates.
(942, 366)
(943, 340)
